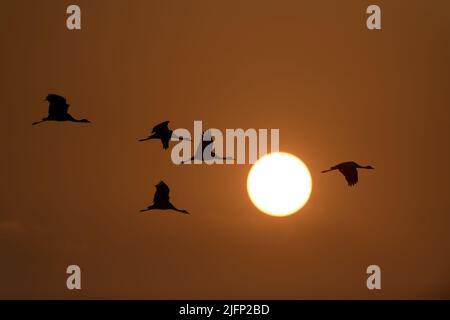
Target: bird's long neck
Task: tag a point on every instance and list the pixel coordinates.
(153, 136)
(176, 209)
(77, 120)
(70, 118)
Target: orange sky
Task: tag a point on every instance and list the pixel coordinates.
(71, 193)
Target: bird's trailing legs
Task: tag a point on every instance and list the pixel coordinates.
(203, 159)
(37, 122)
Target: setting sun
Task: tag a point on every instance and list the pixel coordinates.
(279, 184)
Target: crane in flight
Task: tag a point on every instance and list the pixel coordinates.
(57, 110)
(161, 199)
(162, 132)
(199, 153)
(350, 171)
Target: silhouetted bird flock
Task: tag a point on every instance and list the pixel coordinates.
(58, 111)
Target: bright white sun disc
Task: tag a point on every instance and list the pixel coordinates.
(279, 184)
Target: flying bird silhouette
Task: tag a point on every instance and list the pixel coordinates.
(57, 110)
(199, 153)
(349, 170)
(161, 199)
(162, 132)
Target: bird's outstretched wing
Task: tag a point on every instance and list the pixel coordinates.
(161, 194)
(163, 126)
(57, 105)
(351, 175)
(165, 141)
(55, 98)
